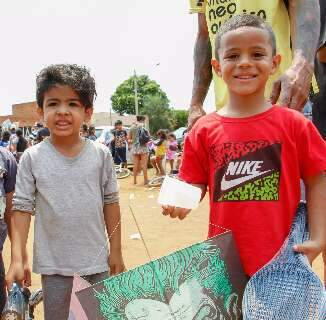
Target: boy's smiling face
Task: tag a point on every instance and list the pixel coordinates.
(246, 60)
(63, 111)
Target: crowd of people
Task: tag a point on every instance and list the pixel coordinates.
(14, 141)
(158, 150)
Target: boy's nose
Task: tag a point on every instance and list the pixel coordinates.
(244, 61)
(62, 109)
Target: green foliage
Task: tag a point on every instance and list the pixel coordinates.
(123, 100)
(159, 114)
(180, 118)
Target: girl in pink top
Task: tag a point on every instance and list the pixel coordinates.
(172, 147)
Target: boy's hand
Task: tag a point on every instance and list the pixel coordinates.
(175, 212)
(116, 263)
(309, 248)
(16, 273)
(27, 272)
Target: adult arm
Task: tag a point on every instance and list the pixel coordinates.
(324, 259)
(202, 71)
(321, 55)
(292, 88)
(113, 226)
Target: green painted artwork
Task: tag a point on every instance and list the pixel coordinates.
(201, 282)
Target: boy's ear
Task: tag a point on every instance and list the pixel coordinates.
(217, 67)
(88, 114)
(276, 62)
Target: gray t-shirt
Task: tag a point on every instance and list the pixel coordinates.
(67, 196)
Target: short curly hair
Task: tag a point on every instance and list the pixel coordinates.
(245, 20)
(72, 75)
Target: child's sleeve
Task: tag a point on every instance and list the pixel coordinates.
(110, 185)
(197, 6)
(311, 151)
(195, 162)
(24, 197)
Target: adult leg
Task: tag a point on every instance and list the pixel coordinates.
(136, 166)
(56, 296)
(143, 165)
(2, 285)
(123, 157)
(117, 159)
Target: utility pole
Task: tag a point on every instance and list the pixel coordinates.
(136, 92)
(111, 116)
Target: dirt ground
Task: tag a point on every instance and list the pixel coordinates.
(162, 235)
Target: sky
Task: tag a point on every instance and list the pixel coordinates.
(110, 37)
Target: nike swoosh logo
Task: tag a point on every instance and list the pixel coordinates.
(226, 185)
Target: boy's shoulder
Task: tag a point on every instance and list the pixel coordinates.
(206, 121)
(290, 116)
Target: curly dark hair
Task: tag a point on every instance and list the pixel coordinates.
(72, 75)
(245, 20)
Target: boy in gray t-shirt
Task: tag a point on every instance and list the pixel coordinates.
(70, 185)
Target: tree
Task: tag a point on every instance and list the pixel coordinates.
(123, 99)
(180, 118)
(159, 114)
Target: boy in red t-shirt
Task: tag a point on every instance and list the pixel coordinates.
(251, 155)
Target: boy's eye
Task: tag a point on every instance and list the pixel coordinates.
(258, 54)
(52, 104)
(73, 104)
(231, 56)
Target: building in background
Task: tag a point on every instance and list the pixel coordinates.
(108, 119)
(25, 115)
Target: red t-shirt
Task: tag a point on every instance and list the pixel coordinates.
(253, 167)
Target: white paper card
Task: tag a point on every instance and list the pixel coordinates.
(179, 194)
